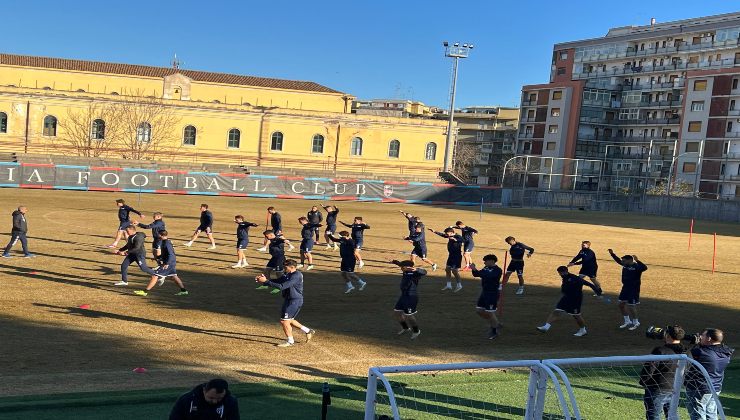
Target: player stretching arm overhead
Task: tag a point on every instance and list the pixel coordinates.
(331, 225)
(629, 296)
(516, 251)
(467, 233)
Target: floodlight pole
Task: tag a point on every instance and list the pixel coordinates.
(456, 52)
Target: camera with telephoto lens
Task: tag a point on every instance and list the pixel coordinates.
(660, 333)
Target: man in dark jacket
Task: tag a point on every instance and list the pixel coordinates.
(20, 227)
(715, 357)
(657, 377)
(134, 252)
(211, 400)
(315, 217)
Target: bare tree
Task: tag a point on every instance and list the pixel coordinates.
(148, 129)
(87, 131)
(464, 159)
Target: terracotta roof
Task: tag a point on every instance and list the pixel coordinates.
(150, 71)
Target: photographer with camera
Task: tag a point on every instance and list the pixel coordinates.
(657, 377)
(714, 357)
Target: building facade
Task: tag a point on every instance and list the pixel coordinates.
(203, 117)
(654, 107)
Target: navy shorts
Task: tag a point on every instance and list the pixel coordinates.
(348, 266)
(517, 266)
(569, 306)
(242, 243)
(331, 229)
(290, 309)
(468, 246)
(629, 296)
(123, 225)
(588, 271)
(307, 245)
(419, 251)
(206, 229)
(487, 302)
(454, 262)
(358, 243)
(276, 263)
(407, 304)
(169, 271)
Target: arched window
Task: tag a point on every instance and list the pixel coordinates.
(234, 136)
(144, 133)
(3, 122)
(394, 149)
(317, 144)
(276, 144)
(431, 152)
(50, 126)
(97, 131)
(188, 135)
(356, 147)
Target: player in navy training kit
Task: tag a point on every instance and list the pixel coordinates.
(276, 245)
(358, 229)
(307, 233)
(629, 296)
(418, 239)
(123, 221)
(276, 222)
(586, 258)
(291, 285)
(157, 226)
(347, 266)
(570, 303)
(167, 268)
(411, 220)
(331, 225)
(134, 252)
(516, 252)
(405, 309)
(242, 240)
(315, 217)
(467, 233)
(206, 225)
(454, 257)
(490, 281)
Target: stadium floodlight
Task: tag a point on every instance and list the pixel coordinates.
(455, 52)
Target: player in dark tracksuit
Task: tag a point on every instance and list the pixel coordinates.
(467, 233)
(411, 221)
(123, 221)
(276, 247)
(586, 258)
(156, 226)
(315, 217)
(331, 226)
(291, 285)
(570, 302)
(242, 240)
(419, 241)
(276, 222)
(307, 234)
(167, 267)
(405, 309)
(454, 257)
(490, 281)
(205, 226)
(358, 229)
(347, 265)
(516, 252)
(134, 252)
(629, 296)
(18, 233)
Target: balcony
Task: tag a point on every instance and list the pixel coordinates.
(731, 156)
(529, 103)
(528, 119)
(732, 134)
(647, 69)
(733, 113)
(642, 121)
(683, 47)
(526, 135)
(627, 139)
(676, 84)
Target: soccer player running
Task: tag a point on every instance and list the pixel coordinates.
(134, 252)
(157, 226)
(358, 229)
(167, 263)
(467, 233)
(570, 303)
(517, 251)
(291, 285)
(206, 226)
(315, 217)
(276, 245)
(418, 239)
(242, 240)
(123, 221)
(454, 257)
(490, 281)
(405, 309)
(331, 225)
(629, 296)
(18, 233)
(276, 222)
(347, 265)
(586, 258)
(307, 234)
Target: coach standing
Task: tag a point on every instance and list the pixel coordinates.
(20, 227)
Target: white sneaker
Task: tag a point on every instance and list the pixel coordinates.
(362, 263)
(349, 289)
(520, 290)
(237, 265)
(625, 325)
(263, 249)
(434, 267)
(299, 266)
(634, 326)
(310, 267)
(448, 287)
(188, 244)
(212, 247)
(542, 329)
(245, 263)
(285, 344)
(328, 246)
(121, 283)
(403, 331)
(415, 334)
(580, 333)
(362, 285)
(160, 280)
(458, 288)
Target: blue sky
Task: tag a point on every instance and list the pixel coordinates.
(372, 49)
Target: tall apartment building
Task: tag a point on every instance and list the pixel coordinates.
(637, 107)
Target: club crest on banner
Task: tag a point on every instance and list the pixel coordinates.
(387, 190)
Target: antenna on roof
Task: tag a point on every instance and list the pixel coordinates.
(175, 62)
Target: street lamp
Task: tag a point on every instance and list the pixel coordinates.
(456, 52)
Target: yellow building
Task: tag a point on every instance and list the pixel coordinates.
(86, 108)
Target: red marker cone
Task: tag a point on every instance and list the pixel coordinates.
(140, 370)
(33, 273)
(85, 306)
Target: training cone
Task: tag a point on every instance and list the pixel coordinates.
(140, 370)
(33, 273)
(85, 306)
